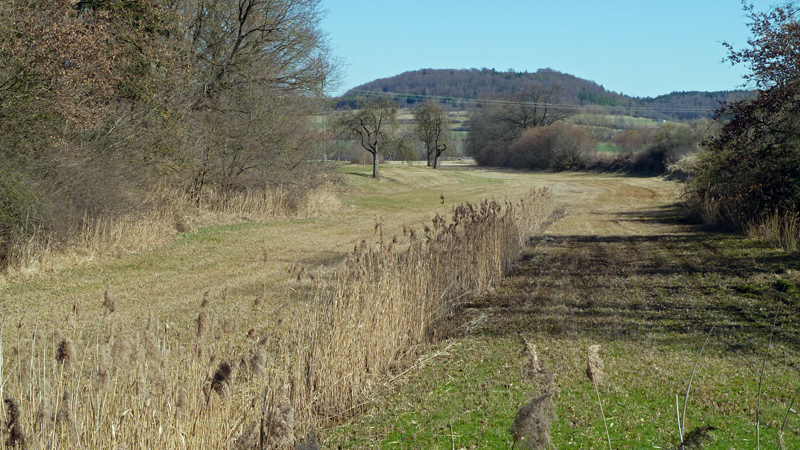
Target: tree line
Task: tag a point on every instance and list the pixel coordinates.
(102, 99)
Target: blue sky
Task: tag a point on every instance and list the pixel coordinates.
(641, 48)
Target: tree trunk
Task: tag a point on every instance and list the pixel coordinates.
(439, 150)
(375, 164)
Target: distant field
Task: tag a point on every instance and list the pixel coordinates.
(606, 148)
(613, 121)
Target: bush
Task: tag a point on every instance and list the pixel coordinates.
(647, 151)
(630, 142)
(752, 167)
(749, 174)
(559, 146)
(489, 138)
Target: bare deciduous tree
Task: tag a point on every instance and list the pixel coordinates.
(273, 45)
(369, 123)
(536, 105)
(259, 68)
(432, 127)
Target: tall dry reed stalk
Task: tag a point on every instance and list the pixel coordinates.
(390, 298)
(594, 371)
(167, 385)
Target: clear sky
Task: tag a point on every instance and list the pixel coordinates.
(636, 47)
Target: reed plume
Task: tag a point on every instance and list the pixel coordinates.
(202, 324)
(531, 427)
(221, 380)
(534, 370)
(104, 366)
(16, 437)
(65, 353)
(695, 438)
(594, 371)
(310, 443)
(109, 303)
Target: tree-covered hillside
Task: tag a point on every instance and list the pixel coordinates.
(462, 88)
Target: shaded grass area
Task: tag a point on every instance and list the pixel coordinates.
(649, 299)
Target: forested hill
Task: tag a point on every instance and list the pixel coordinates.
(460, 88)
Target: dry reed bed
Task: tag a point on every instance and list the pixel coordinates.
(158, 385)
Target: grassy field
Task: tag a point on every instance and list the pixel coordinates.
(208, 333)
(459, 118)
(617, 268)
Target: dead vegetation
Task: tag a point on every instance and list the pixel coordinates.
(167, 214)
(110, 381)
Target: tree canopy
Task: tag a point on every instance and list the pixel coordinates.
(432, 128)
(102, 99)
(752, 167)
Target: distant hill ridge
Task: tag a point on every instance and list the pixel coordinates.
(459, 88)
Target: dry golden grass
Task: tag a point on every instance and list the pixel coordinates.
(205, 343)
(777, 230)
(164, 214)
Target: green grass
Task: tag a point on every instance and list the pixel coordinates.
(466, 395)
(648, 295)
(607, 148)
(476, 386)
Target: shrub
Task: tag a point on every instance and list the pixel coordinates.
(671, 142)
(631, 141)
(559, 146)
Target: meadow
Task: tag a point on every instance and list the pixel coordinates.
(690, 322)
(400, 316)
(256, 333)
